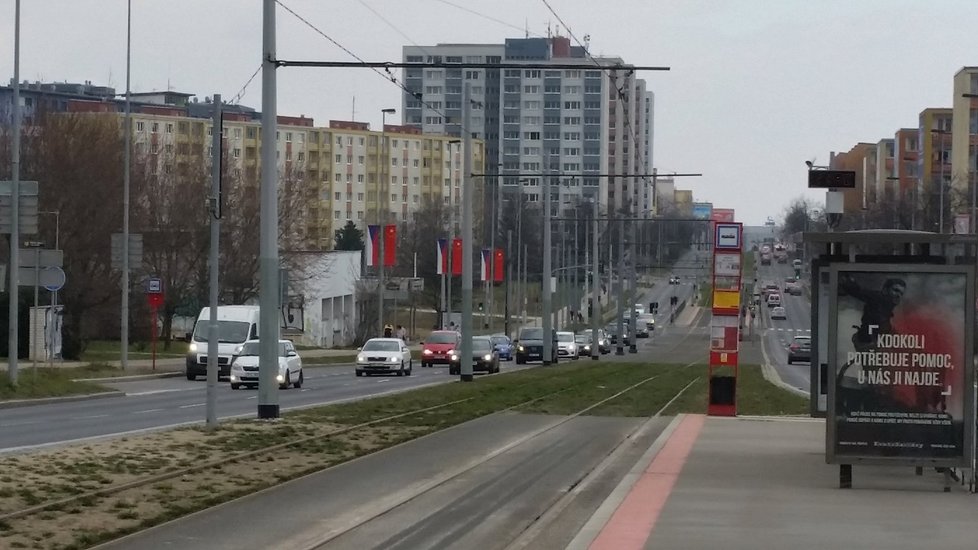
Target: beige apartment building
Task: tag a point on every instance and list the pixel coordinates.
(340, 166)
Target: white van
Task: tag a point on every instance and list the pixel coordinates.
(773, 300)
(235, 326)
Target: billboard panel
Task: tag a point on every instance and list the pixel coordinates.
(702, 210)
(900, 364)
(725, 215)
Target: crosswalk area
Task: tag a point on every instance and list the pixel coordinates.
(784, 329)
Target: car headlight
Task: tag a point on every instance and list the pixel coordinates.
(193, 347)
(454, 357)
(280, 379)
(427, 352)
(361, 359)
(487, 357)
(393, 359)
(234, 378)
(587, 348)
(521, 348)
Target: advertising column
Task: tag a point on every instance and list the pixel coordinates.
(725, 325)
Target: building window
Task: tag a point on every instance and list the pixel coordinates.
(336, 216)
(139, 126)
(302, 156)
(236, 152)
(360, 160)
(359, 214)
(337, 195)
(156, 127)
(339, 158)
(359, 178)
(169, 127)
(359, 196)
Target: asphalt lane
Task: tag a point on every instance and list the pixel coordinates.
(778, 334)
(160, 403)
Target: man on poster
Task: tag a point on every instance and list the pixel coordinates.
(900, 378)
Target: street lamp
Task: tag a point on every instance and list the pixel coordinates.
(974, 186)
(941, 133)
(381, 216)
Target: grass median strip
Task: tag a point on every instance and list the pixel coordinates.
(48, 382)
(107, 504)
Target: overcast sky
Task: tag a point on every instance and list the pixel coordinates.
(756, 87)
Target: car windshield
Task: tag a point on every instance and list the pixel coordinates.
(228, 332)
(481, 345)
(251, 349)
(582, 339)
(565, 337)
(531, 334)
(803, 341)
(381, 345)
(441, 338)
(500, 340)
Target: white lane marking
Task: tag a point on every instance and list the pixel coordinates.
(15, 424)
(189, 406)
(148, 411)
(253, 397)
(154, 392)
(383, 380)
(89, 417)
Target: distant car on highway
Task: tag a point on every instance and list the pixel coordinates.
(612, 330)
(529, 345)
(800, 349)
(779, 313)
(773, 300)
(503, 345)
(604, 342)
(384, 356)
(674, 280)
(244, 368)
(795, 289)
(648, 319)
(484, 357)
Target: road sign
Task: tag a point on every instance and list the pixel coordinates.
(135, 251)
(27, 207)
(154, 286)
(43, 277)
(53, 278)
(29, 257)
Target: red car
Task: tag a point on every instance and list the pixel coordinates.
(439, 347)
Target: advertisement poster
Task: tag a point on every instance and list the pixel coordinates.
(703, 210)
(901, 363)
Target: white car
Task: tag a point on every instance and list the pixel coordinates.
(778, 313)
(674, 280)
(244, 368)
(385, 356)
(566, 345)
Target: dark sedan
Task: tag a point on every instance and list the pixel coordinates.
(484, 357)
(800, 349)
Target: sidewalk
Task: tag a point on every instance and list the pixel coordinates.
(749, 483)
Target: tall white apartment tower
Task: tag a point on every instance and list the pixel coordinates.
(588, 128)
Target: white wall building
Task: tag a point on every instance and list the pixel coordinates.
(321, 310)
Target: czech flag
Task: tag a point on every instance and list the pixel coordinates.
(486, 264)
(442, 256)
(498, 266)
(373, 245)
(457, 257)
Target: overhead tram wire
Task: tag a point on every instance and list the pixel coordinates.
(374, 67)
(240, 95)
(621, 95)
(491, 18)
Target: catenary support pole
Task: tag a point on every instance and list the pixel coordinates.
(546, 272)
(595, 286)
(126, 169)
(509, 279)
(213, 370)
(270, 292)
(12, 320)
(620, 345)
(633, 316)
(466, 351)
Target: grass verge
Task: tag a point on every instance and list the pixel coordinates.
(315, 441)
(47, 382)
(108, 350)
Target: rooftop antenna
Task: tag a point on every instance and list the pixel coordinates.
(526, 27)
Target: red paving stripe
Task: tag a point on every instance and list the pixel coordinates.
(632, 523)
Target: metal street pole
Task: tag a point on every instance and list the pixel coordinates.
(595, 285)
(466, 352)
(12, 322)
(124, 283)
(509, 278)
(940, 133)
(383, 159)
(451, 241)
(619, 346)
(545, 287)
(270, 292)
(633, 343)
(525, 294)
(575, 258)
(215, 211)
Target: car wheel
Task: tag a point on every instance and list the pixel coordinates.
(298, 383)
(400, 372)
(235, 386)
(191, 377)
(789, 360)
(359, 372)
